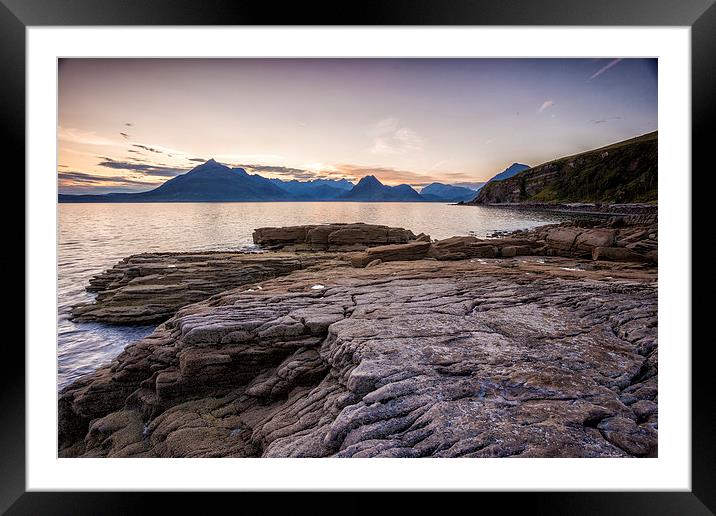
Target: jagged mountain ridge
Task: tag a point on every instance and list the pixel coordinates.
(215, 182)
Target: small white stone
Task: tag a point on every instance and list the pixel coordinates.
(318, 287)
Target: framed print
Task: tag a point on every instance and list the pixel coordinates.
(397, 248)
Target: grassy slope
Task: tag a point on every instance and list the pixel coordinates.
(628, 174)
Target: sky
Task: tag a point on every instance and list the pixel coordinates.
(131, 124)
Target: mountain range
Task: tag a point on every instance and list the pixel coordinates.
(215, 182)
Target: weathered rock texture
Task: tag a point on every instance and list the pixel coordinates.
(149, 288)
(518, 357)
(331, 237)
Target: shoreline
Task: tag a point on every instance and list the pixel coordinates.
(590, 209)
(338, 343)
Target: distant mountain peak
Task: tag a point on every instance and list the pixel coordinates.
(210, 164)
(370, 179)
(510, 171)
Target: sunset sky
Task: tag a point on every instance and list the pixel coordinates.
(131, 124)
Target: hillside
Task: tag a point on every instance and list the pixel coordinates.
(623, 172)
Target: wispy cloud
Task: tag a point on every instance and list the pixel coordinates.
(545, 105)
(287, 172)
(389, 137)
(605, 68)
(472, 185)
(393, 176)
(605, 120)
(144, 168)
(68, 178)
(147, 148)
(72, 135)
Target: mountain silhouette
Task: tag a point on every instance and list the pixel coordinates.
(214, 182)
(369, 188)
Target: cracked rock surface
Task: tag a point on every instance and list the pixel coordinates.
(520, 357)
(149, 288)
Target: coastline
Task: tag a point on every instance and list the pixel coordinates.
(375, 349)
(576, 208)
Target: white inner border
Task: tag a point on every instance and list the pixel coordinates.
(670, 471)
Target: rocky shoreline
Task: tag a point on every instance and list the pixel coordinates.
(590, 209)
(342, 341)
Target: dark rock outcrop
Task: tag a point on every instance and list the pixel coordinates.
(331, 237)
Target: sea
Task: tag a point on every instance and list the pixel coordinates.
(93, 237)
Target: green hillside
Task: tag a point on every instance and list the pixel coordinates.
(624, 172)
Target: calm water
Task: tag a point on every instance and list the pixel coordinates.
(93, 237)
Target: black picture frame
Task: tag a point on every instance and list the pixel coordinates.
(17, 15)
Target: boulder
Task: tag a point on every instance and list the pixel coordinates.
(461, 248)
(515, 250)
(562, 238)
(359, 234)
(283, 235)
(617, 254)
(319, 235)
(391, 253)
(589, 239)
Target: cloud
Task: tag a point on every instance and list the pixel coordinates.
(393, 176)
(292, 173)
(72, 135)
(147, 148)
(73, 182)
(67, 177)
(545, 105)
(389, 137)
(144, 169)
(472, 185)
(604, 120)
(605, 68)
